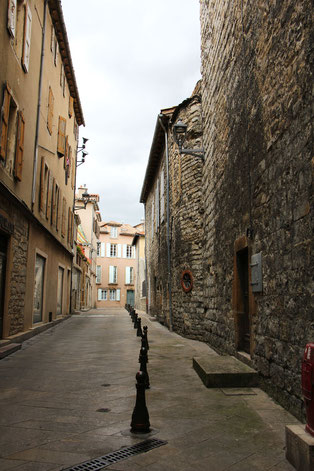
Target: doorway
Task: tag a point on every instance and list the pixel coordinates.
(39, 288)
(3, 264)
(130, 297)
(243, 313)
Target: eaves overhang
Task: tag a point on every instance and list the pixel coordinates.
(155, 157)
(56, 13)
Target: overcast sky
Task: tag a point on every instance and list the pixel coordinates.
(131, 59)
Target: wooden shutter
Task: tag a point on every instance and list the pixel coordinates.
(102, 249)
(61, 135)
(12, 17)
(50, 110)
(69, 225)
(58, 212)
(134, 251)
(118, 294)
(5, 112)
(49, 195)
(66, 153)
(53, 202)
(27, 38)
(108, 249)
(63, 216)
(18, 163)
(42, 185)
(70, 106)
(119, 250)
(127, 275)
(111, 274)
(99, 294)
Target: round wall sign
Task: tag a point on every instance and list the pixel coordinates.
(186, 281)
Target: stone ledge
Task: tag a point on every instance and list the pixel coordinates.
(299, 448)
(224, 372)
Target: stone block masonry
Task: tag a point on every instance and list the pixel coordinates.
(258, 184)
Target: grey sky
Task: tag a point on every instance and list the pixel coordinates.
(131, 59)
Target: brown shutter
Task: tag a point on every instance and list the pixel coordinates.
(42, 185)
(72, 171)
(61, 135)
(5, 111)
(53, 202)
(49, 196)
(18, 164)
(50, 111)
(58, 212)
(66, 152)
(70, 106)
(63, 217)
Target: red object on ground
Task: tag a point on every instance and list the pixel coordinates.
(308, 386)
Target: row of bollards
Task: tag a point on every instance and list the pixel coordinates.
(140, 417)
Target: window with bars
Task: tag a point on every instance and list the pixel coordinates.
(102, 294)
(114, 294)
(98, 249)
(113, 250)
(129, 251)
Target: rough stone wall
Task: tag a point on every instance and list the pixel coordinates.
(187, 224)
(186, 230)
(17, 261)
(258, 175)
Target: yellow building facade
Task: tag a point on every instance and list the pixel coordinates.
(40, 117)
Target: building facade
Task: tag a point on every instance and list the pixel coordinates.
(140, 286)
(40, 116)
(116, 265)
(256, 206)
(86, 242)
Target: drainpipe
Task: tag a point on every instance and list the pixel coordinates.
(160, 116)
(39, 103)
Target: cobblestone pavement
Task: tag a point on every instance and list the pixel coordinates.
(68, 395)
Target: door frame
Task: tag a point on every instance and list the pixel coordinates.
(241, 244)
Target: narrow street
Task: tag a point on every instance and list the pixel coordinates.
(68, 395)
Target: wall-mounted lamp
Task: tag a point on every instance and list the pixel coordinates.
(85, 199)
(179, 135)
(84, 153)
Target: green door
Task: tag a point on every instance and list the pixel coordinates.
(130, 297)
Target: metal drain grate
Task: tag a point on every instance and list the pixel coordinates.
(103, 461)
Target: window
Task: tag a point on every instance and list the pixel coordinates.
(12, 129)
(98, 274)
(27, 38)
(64, 202)
(98, 249)
(114, 295)
(129, 251)
(113, 232)
(39, 288)
(49, 188)
(113, 250)
(58, 206)
(44, 179)
(61, 136)
(113, 274)
(60, 290)
(70, 106)
(129, 275)
(103, 294)
(50, 111)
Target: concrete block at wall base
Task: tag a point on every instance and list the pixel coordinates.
(224, 372)
(299, 448)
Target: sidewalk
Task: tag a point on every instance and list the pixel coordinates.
(68, 395)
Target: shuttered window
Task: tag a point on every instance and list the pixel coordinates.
(61, 136)
(50, 111)
(49, 195)
(70, 106)
(18, 163)
(64, 202)
(58, 210)
(27, 38)
(102, 295)
(98, 274)
(113, 274)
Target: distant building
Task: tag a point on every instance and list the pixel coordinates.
(87, 238)
(116, 265)
(140, 286)
(40, 116)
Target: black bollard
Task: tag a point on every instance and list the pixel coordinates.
(144, 338)
(140, 417)
(132, 314)
(143, 360)
(135, 320)
(139, 332)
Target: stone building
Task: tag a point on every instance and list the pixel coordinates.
(255, 293)
(172, 195)
(116, 265)
(40, 115)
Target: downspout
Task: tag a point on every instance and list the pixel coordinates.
(39, 104)
(168, 223)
